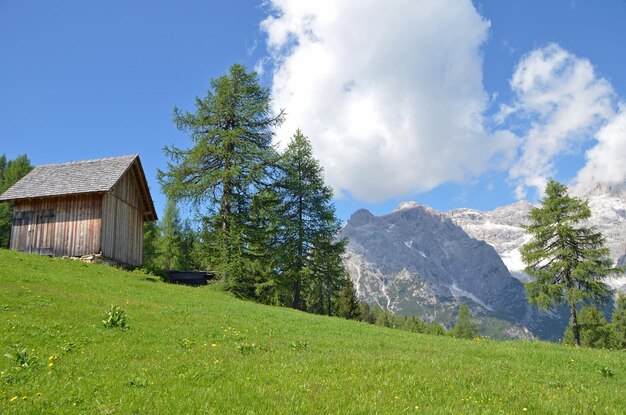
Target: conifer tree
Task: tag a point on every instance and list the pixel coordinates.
(151, 243)
(367, 315)
(348, 305)
(172, 249)
(308, 255)
(384, 317)
(415, 324)
(618, 321)
(263, 247)
(567, 260)
(465, 327)
(435, 328)
(10, 172)
(231, 131)
(594, 331)
(325, 276)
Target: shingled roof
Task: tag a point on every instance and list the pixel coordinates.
(80, 177)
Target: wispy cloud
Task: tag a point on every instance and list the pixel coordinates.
(562, 104)
(606, 161)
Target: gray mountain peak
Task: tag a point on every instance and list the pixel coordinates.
(360, 217)
(417, 261)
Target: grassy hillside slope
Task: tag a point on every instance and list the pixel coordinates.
(198, 350)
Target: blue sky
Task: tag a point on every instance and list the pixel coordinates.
(82, 80)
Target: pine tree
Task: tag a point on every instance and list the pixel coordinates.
(594, 331)
(384, 317)
(263, 246)
(309, 259)
(189, 246)
(231, 131)
(465, 327)
(367, 315)
(618, 321)
(171, 243)
(325, 277)
(415, 324)
(566, 260)
(347, 304)
(435, 328)
(151, 243)
(399, 322)
(10, 172)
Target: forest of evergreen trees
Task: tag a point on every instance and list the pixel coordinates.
(262, 219)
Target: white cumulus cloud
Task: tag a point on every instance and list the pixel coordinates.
(560, 104)
(606, 161)
(390, 93)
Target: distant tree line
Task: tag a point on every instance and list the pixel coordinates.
(10, 172)
(464, 328)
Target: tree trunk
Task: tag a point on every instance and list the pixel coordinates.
(297, 286)
(297, 296)
(574, 322)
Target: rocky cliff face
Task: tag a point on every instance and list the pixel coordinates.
(417, 261)
(501, 228)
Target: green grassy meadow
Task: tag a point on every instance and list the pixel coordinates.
(201, 351)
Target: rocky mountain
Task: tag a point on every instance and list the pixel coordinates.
(417, 261)
(501, 228)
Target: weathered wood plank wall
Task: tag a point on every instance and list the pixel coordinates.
(58, 226)
(122, 221)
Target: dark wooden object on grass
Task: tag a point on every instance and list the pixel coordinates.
(194, 278)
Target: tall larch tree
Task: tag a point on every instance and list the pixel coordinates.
(566, 259)
(308, 222)
(231, 131)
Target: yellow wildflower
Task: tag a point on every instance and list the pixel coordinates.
(214, 345)
(50, 364)
(13, 399)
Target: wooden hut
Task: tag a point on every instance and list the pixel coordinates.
(82, 208)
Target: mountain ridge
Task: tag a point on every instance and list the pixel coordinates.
(417, 261)
(502, 228)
